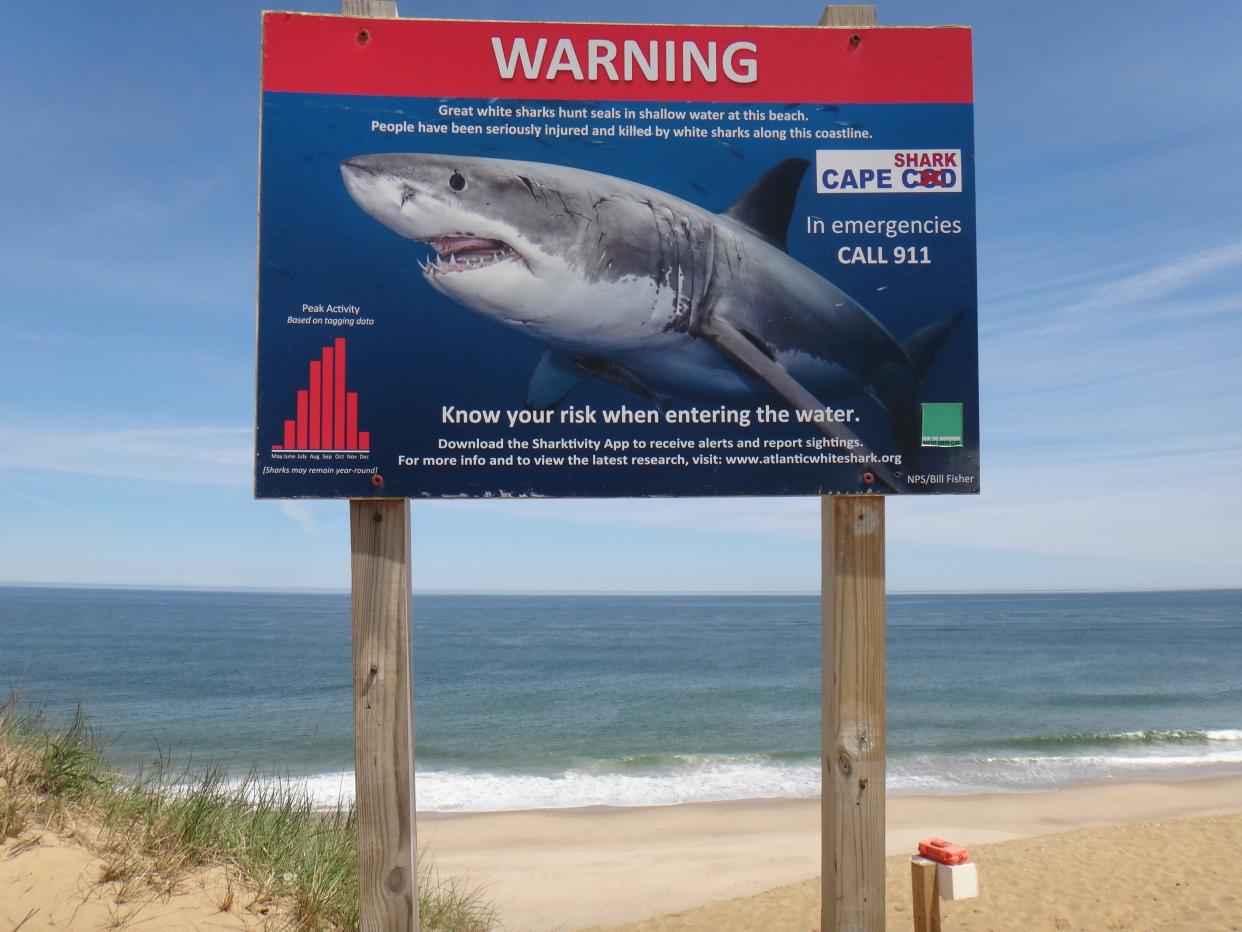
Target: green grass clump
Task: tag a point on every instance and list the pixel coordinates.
(300, 862)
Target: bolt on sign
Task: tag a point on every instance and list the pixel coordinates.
(554, 259)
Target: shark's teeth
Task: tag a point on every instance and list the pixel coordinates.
(446, 260)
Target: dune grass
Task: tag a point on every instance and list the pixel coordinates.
(298, 863)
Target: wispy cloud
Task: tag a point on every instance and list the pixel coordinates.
(204, 455)
(1086, 301)
(1173, 507)
(305, 513)
(1144, 356)
(44, 502)
(126, 244)
(1168, 278)
(782, 517)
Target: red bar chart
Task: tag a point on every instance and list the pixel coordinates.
(325, 412)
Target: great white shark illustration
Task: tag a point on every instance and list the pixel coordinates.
(638, 287)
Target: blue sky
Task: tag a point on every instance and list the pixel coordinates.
(1109, 137)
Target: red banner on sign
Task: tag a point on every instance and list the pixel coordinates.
(579, 61)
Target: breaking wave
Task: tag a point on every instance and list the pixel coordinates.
(1049, 762)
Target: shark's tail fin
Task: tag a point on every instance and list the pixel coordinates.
(896, 385)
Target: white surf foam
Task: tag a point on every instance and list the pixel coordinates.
(475, 791)
(717, 779)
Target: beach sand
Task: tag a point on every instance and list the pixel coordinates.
(1089, 879)
(53, 881)
(1071, 859)
(752, 866)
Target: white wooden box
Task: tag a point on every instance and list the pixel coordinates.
(957, 881)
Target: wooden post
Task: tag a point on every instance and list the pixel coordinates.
(852, 682)
(848, 16)
(383, 691)
(383, 716)
(383, 9)
(924, 886)
(852, 727)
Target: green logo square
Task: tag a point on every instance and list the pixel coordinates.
(942, 424)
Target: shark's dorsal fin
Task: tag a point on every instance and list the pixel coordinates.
(768, 204)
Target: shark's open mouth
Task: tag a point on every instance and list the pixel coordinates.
(456, 254)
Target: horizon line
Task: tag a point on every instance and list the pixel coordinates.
(341, 590)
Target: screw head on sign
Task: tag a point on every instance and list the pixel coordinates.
(363, 37)
(855, 39)
(377, 480)
(868, 478)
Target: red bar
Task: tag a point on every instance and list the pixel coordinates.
(338, 418)
(290, 441)
(364, 440)
(276, 446)
(442, 58)
(316, 406)
(351, 421)
(302, 403)
(325, 423)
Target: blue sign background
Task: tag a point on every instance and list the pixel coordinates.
(425, 351)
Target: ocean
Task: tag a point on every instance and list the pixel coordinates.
(534, 701)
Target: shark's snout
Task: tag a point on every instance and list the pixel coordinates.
(368, 173)
(354, 172)
(373, 187)
(359, 174)
(361, 164)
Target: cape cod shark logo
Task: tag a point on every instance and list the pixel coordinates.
(629, 284)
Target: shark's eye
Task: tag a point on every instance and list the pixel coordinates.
(457, 182)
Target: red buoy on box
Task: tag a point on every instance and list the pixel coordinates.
(943, 852)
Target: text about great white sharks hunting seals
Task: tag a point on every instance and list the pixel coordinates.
(546, 121)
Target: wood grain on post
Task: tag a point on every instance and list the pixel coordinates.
(924, 888)
(379, 8)
(383, 716)
(852, 725)
(848, 16)
(852, 682)
(383, 691)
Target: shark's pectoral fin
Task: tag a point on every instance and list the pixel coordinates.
(555, 376)
(755, 359)
(617, 374)
(558, 373)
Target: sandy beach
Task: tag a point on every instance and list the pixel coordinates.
(751, 866)
(1070, 859)
(1087, 879)
(51, 880)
